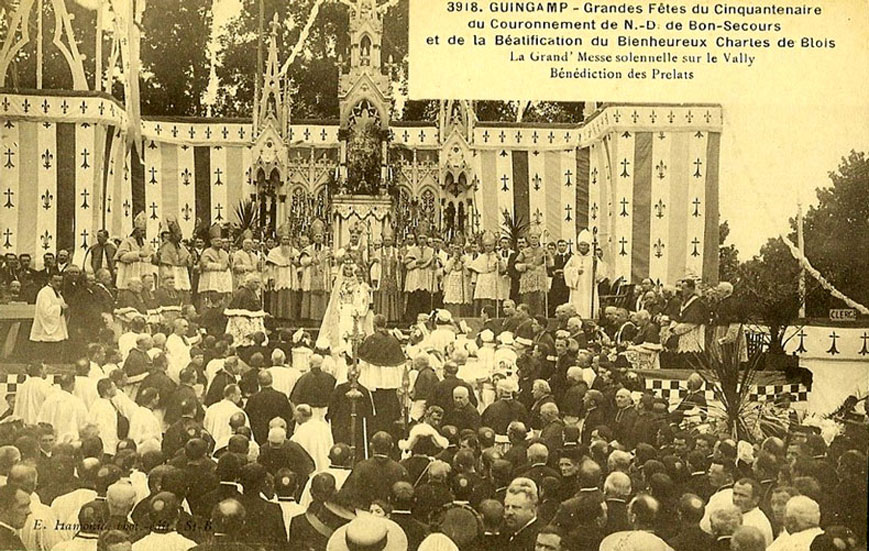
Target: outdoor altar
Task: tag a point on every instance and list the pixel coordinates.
(370, 213)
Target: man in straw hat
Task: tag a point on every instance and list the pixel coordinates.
(134, 255)
(368, 533)
(316, 260)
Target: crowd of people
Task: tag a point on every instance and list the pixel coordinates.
(187, 422)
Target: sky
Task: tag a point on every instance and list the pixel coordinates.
(781, 136)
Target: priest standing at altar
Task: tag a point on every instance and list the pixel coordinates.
(316, 262)
(385, 267)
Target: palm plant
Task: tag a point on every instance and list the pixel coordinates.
(246, 218)
(514, 226)
(731, 382)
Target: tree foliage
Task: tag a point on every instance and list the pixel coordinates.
(728, 255)
(175, 59)
(837, 233)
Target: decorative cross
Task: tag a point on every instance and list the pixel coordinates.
(185, 147)
(45, 106)
(661, 135)
(155, 242)
(46, 159)
(219, 209)
(8, 235)
(617, 115)
(218, 173)
(185, 177)
(707, 116)
(698, 135)
(662, 169)
(504, 180)
(186, 211)
(102, 108)
(551, 136)
(47, 198)
(422, 135)
(653, 116)
(534, 137)
(538, 216)
(518, 136)
(224, 132)
(84, 199)
(84, 159)
(502, 136)
(567, 175)
(624, 203)
(84, 239)
(46, 240)
(594, 176)
(192, 132)
(153, 171)
(833, 350)
(9, 193)
(5, 103)
(126, 206)
(174, 131)
(503, 153)
(64, 107)
(567, 136)
(623, 242)
(536, 179)
(696, 244)
(26, 105)
(697, 163)
(9, 154)
(153, 208)
(594, 209)
(208, 132)
(406, 136)
(323, 134)
(696, 203)
(625, 163)
(801, 349)
(689, 116)
(659, 208)
(485, 136)
(83, 107)
(865, 350)
(659, 248)
(635, 116)
(307, 134)
(46, 124)
(567, 209)
(241, 133)
(109, 203)
(158, 129)
(671, 117)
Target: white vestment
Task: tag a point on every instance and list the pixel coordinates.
(216, 421)
(67, 506)
(104, 415)
(284, 378)
(86, 389)
(178, 353)
(49, 324)
(66, 413)
(29, 398)
(316, 437)
(340, 474)
(578, 278)
(145, 427)
(38, 533)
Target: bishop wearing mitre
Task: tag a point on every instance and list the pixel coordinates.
(578, 275)
(135, 255)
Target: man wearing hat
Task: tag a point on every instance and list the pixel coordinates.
(173, 257)
(368, 533)
(134, 255)
(313, 527)
(578, 275)
(385, 277)
(244, 261)
(487, 266)
(381, 371)
(419, 284)
(531, 263)
(215, 278)
(316, 284)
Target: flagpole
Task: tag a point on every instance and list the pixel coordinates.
(801, 247)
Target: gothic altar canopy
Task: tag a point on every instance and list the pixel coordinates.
(643, 178)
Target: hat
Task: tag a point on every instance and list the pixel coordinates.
(284, 230)
(298, 336)
(215, 231)
(444, 316)
(584, 237)
(487, 335)
(387, 232)
(368, 533)
(506, 338)
(318, 227)
(355, 228)
(488, 238)
(562, 334)
(140, 221)
(247, 234)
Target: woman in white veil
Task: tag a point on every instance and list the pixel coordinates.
(349, 301)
